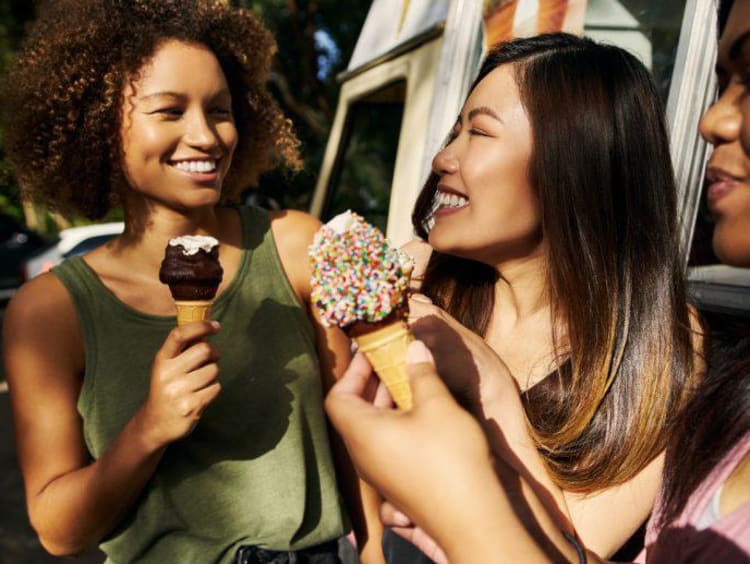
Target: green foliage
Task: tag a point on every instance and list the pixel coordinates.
(304, 80)
(13, 17)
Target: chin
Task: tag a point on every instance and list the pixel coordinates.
(732, 246)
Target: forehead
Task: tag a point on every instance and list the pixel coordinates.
(496, 90)
(735, 33)
(176, 65)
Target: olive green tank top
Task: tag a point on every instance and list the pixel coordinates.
(257, 469)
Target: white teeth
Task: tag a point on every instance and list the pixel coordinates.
(446, 200)
(196, 166)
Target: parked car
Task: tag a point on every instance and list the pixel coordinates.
(73, 241)
(16, 244)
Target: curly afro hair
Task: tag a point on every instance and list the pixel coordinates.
(62, 99)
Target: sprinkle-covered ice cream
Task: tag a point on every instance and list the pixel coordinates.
(357, 275)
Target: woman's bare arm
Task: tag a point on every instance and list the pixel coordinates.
(72, 501)
(294, 232)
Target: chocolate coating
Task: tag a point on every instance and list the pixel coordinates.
(191, 277)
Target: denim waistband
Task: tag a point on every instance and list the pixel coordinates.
(326, 553)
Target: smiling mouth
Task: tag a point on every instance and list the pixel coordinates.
(199, 166)
(449, 201)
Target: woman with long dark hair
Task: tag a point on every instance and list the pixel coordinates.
(551, 232)
(703, 513)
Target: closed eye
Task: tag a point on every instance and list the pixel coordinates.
(478, 132)
(222, 112)
(170, 112)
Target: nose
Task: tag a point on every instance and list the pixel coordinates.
(200, 131)
(445, 161)
(722, 121)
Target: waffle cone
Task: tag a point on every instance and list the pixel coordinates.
(192, 310)
(385, 347)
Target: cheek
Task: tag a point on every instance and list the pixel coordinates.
(732, 232)
(745, 131)
(503, 189)
(229, 137)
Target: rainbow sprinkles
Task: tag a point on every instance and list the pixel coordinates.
(357, 274)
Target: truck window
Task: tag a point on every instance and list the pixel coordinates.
(648, 29)
(363, 172)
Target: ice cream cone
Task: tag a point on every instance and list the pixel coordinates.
(385, 348)
(192, 310)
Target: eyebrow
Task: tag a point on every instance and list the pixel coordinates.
(484, 110)
(177, 95)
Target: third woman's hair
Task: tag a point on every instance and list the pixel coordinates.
(715, 419)
(602, 173)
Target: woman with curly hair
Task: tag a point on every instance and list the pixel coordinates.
(203, 443)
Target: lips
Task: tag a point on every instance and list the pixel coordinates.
(203, 170)
(720, 183)
(447, 200)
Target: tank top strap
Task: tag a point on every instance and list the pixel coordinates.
(256, 226)
(85, 290)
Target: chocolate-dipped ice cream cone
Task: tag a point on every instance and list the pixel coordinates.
(191, 269)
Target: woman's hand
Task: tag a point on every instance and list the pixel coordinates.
(183, 383)
(402, 525)
(432, 462)
(473, 372)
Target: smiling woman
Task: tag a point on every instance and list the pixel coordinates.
(549, 225)
(178, 129)
(202, 443)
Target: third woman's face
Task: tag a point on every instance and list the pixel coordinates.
(487, 209)
(728, 173)
(178, 132)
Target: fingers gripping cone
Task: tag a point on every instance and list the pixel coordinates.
(385, 348)
(189, 311)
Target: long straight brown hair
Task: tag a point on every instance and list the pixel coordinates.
(602, 172)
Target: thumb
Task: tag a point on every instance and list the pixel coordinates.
(423, 377)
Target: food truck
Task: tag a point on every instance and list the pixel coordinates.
(414, 62)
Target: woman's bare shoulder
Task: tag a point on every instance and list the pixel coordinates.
(41, 322)
(736, 490)
(43, 297)
(293, 232)
(293, 229)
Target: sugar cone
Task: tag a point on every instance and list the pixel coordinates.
(193, 310)
(385, 348)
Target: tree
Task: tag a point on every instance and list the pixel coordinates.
(315, 40)
(13, 18)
